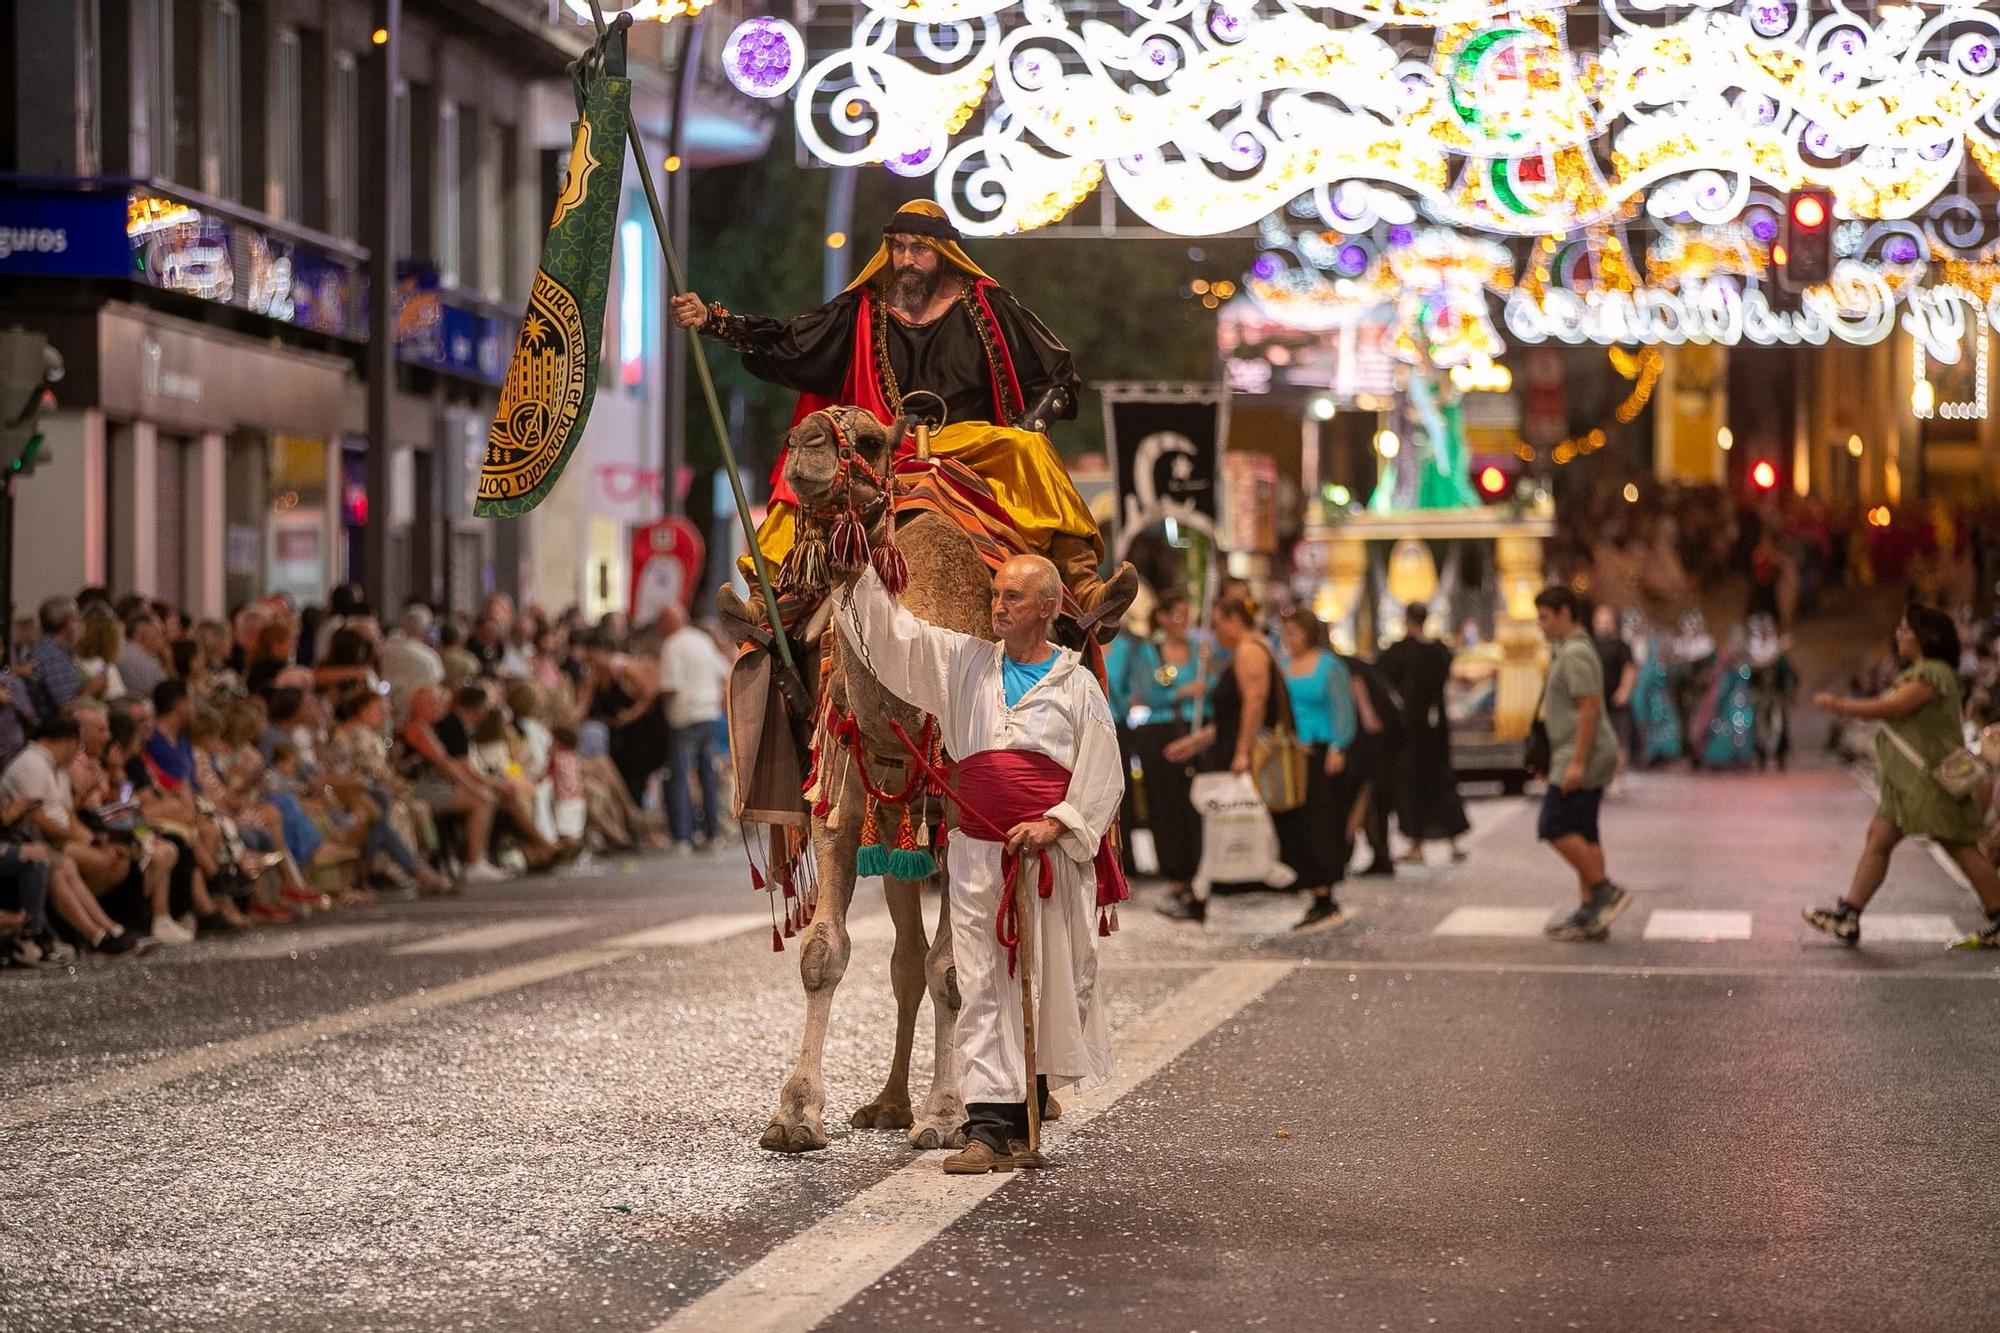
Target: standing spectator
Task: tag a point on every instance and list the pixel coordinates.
(1920, 714)
(1621, 675)
(53, 676)
(1378, 739)
(1312, 836)
(147, 658)
(1582, 760)
(623, 694)
(1425, 787)
(693, 676)
(1166, 674)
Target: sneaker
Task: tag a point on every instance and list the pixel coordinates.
(1324, 914)
(485, 872)
(1188, 908)
(116, 943)
(269, 913)
(171, 932)
(1607, 903)
(1582, 924)
(1840, 921)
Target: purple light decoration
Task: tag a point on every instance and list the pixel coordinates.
(1400, 236)
(1351, 260)
(1900, 250)
(1266, 267)
(1764, 228)
(1977, 56)
(764, 57)
(1227, 24)
(913, 163)
(1768, 20)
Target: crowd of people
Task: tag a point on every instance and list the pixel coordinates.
(163, 778)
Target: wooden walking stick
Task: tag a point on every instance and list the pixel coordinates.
(1024, 924)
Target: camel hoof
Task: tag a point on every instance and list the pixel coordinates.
(927, 1139)
(883, 1115)
(779, 1137)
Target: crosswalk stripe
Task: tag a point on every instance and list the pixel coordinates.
(1677, 924)
(704, 929)
(312, 939)
(486, 939)
(1509, 922)
(1908, 928)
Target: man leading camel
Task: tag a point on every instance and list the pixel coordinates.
(923, 318)
(1037, 762)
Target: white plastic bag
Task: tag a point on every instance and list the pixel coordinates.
(1239, 844)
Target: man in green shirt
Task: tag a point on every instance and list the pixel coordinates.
(1583, 758)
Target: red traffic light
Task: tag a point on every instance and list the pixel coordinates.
(1763, 476)
(1809, 212)
(1492, 480)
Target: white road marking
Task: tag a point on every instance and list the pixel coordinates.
(299, 943)
(704, 929)
(816, 1272)
(1674, 924)
(1507, 922)
(1908, 928)
(499, 935)
(41, 1105)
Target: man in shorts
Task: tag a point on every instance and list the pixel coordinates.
(1583, 758)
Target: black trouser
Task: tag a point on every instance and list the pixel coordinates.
(1370, 763)
(1313, 838)
(639, 750)
(1170, 813)
(995, 1123)
(24, 888)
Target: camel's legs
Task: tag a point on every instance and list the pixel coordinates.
(942, 1124)
(823, 951)
(891, 1107)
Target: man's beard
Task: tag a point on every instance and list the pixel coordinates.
(911, 291)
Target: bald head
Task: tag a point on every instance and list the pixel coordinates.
(1026, 595)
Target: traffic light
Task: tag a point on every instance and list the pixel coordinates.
(28, 366)
(1494, 484)
(1803, 254)
(1763, 476)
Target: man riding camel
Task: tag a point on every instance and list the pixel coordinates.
(923, 319)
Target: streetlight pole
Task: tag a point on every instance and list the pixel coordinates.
(679, 185)
(379, 233)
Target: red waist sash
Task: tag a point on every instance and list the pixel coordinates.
(1009, 787)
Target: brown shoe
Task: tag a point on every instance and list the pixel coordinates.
(1026, 1158)
(976, 1159)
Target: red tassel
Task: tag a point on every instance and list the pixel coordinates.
(822, 808)
(893, 570)
(777, 941)
(1103, 925)
(849, 543)
(756, 879)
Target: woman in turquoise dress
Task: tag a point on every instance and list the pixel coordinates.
(1725, 726)
(1922, 709)
(1653, 714)
(1164, 675)
(1313, 839)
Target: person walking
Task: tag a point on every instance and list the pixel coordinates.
(1425, 789)
(1166, 675)
(1247, 696)
(1583, 757)
(1038, 764)
(1313, 839)
(1920, 724)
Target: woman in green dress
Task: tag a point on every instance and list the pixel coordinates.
(1922, 708)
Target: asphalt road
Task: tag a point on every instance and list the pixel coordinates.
(536, 1107)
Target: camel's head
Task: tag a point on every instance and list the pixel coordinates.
(838, 462)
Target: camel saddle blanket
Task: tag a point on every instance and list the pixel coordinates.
(953, 491)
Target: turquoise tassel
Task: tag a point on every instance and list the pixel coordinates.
(872, 860)
(910, 865)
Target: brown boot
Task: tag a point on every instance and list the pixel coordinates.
(976, 1159)
(1104, 601)
(1025, 1158)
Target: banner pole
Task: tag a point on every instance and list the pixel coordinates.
(679, 280)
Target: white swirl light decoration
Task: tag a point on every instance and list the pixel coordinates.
(878, 107)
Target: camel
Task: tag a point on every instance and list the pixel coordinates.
(949, 585)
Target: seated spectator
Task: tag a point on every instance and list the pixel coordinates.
(24, 893)
(350, 662)
(99, 643)
(408, 661)
(440, 777)
(272, 652)
(471, 707)
(174, 817)
(127, 878)
(460, 664)
(147, 658)
(52, 675)
(359, 749)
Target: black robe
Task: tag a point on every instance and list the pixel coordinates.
(812, 353)
(1424, 787)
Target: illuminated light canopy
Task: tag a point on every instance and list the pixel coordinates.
(1204, 117)
(642, 11)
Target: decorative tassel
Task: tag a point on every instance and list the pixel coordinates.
(777, 941)
(871, 859)
(804, 569)
(893, 570)
(849, 544)
(907, 861)
(756, 879)
(1103, 924)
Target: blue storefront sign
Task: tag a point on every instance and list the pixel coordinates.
(63, 233)
(438, 327)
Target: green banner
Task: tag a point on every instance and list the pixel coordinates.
(553, 377)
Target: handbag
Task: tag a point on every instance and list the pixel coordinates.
(1960, 773)
(1537, 754)
(1282, 763)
